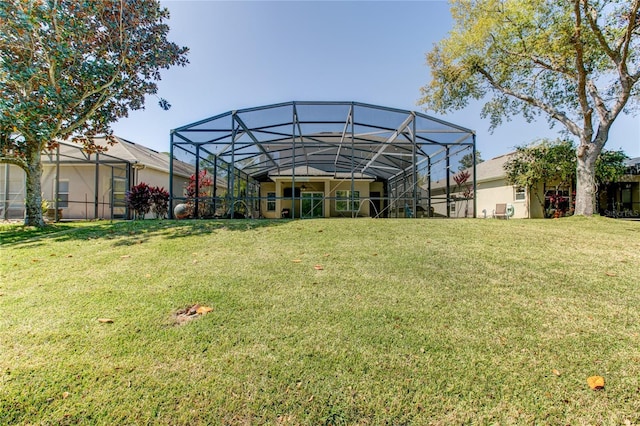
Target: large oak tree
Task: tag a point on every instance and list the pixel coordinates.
(575, 61)
(70, 68)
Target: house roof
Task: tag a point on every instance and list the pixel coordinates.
(492, 169)
(123, 151)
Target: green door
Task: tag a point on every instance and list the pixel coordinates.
(312, 204)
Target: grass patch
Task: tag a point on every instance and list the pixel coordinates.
(407, 322)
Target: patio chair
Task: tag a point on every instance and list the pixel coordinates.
(500, 211)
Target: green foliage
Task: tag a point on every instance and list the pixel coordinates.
(541, 162)
(70, 68)
(610, 166)
(577, 62)
(548, 161)
(466, 162)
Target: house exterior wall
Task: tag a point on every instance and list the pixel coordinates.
(85, 201)
(327, 187)
(265, 188)
(490, 193)
(363, 206)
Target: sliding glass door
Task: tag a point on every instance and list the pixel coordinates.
(312, 204)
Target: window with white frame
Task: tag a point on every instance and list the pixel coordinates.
(63, 194)
(520, 193)
(347, 201)
(271, 201)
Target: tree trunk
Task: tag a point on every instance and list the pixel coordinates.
(33, 201)
(586, 181)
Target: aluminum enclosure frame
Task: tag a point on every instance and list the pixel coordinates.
(413, 155)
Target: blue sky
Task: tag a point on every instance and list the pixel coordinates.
(252, 53)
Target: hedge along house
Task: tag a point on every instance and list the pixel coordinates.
(79, 185)
(318, 159)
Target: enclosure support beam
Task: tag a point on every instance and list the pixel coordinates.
(389, 140)
(97, 184)
(197, 183)
(171, 195)
(475, 182)
(57, 191)
(448, 183)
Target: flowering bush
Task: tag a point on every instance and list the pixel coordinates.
(203, 191)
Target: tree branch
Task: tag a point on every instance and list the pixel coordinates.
(553, 112)
(13, 160)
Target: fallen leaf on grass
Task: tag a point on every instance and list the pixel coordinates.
(556, 372)
(65, 395)
(296, 260)
(105, 320)
(202, 310)
(611, 274)
(318, 268)
(147, 276)
(596, 382)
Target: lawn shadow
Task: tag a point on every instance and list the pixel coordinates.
(126, 233)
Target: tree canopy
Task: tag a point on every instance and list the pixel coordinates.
(577, 62)
(70, 68)
(466, 162)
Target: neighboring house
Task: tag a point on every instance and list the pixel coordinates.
(91, 186)
(622, 199)
(492, 188)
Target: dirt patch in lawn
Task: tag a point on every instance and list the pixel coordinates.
(185, 315)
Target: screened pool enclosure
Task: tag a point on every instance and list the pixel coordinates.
(324, 159)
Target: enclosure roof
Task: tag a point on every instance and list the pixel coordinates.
(332, 137)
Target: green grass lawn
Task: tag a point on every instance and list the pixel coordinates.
(321, 322)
